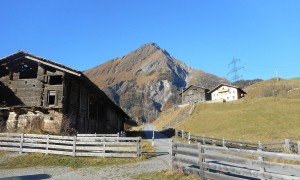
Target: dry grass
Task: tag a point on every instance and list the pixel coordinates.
(169, 115)
(165, 175)
(41, 160)
(288, 88)
(260, 119)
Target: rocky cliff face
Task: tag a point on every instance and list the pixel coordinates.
(147, 80)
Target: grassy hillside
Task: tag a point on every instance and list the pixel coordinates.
(270, 112)
(287, 88)
(170, 115)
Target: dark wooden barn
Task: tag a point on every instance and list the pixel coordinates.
(194, 94)
(39, 92)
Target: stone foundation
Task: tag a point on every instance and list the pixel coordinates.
(34, 120)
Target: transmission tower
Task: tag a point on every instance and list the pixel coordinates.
(234, 70)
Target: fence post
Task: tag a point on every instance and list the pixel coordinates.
(47, 146)
(189, 137)
(118, 135)
(213, 142)
(240, 144)
(260, 145)
(261, 158)
(174, 146)
(287, 145)
(21, 143)
(74, 146)
(176, 133)
(139, 147)
(224, 142)
(201, 161)
(203, 140)
(298, 147)
(104, 146)
(182, 134)
(153, 137)
(171, 153)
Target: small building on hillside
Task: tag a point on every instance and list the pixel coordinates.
(225, 92)
(37, 93)
(194, 94)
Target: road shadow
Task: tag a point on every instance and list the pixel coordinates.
(28, 177)
(154, 154)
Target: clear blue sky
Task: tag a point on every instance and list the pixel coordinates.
(205, 34)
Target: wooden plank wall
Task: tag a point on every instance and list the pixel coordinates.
(82, 145)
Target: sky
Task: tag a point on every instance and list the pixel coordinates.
(205, 34)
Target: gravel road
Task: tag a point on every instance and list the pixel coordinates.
(120, 172)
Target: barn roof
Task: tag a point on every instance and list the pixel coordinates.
(23, 54)
(217, 87)
(193, 86)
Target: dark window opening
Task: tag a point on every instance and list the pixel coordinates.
(28, 72)
(92, 108)
(4, 71)
(55, 80)
(51, 98)
(11, 76)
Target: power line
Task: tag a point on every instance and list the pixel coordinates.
(234, 70)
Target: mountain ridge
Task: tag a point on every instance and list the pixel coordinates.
(147, 80)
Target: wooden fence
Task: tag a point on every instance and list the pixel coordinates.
(81, 145)
(283, 146)
(120, 134)
(212, 162)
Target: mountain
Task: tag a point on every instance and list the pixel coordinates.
(147, 80)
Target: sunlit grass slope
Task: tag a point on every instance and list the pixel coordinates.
(170, 115)
(270, 112)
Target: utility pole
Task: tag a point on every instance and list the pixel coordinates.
(276, 73)
(181, 96)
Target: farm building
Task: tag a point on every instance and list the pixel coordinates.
(225, 92)
(194, 94)
(39, 93)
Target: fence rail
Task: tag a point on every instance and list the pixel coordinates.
(82, 145)
(230, 163)
(283, 146)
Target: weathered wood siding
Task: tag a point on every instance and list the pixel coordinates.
(195, 94)
(106, 119)
(60, 94)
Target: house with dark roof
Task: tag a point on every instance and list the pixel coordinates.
(37, 93)
(194, 94)
(225, 92)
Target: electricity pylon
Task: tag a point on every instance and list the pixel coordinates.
(234, 70)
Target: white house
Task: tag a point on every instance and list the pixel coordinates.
(225, 92)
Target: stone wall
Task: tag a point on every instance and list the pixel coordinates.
(34, 121)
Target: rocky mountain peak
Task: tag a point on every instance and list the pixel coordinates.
(147, 80)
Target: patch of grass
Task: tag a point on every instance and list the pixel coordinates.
(147, 146)
(2, 153)
(165, 175)
(260, 119)
(169, 115)
(41, 160)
